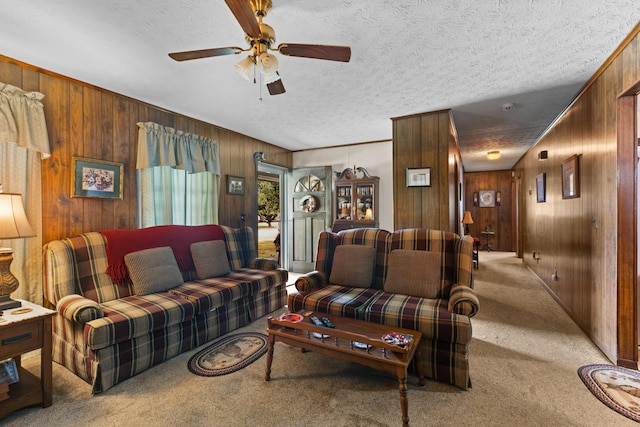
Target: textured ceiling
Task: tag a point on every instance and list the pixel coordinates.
(407, 57)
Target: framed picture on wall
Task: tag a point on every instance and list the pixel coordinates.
(541, 184)
(418, 177)
(235, 184)
(96, 178)
(487, 199)
(570, 178)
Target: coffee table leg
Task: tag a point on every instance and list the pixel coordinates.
(404, 401)
(417, 359)
(270, 341)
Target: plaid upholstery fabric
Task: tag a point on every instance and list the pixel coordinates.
(311, 281)
(240, 246)
(446, 362)
(344, 301)
(212, 293)
(444, 321)
(79, 309)
(463, 301)
(260, 280)
(134, 316)
(219, 321)
(429, 316)
(263, 303)
(138, 332)
(118, 362)
(375, 237)
(263, 264)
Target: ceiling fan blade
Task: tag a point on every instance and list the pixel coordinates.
(204, 53)
(276, 88)
(245, 16)
(317, 51)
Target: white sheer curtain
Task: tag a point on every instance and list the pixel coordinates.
(23, 144)
(179, 177)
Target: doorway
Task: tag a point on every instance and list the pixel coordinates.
(272, 181)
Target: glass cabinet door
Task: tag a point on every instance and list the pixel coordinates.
(365, 202)
(343, 202)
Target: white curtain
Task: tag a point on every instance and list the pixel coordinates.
(179, 176)
(23, 143)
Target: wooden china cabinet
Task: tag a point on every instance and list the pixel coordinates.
(355, 200)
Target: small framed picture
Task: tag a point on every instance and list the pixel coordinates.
(96, 178)
(541, 188)
(235, 184)
(487, 199)
(418, 177)
(570, 178)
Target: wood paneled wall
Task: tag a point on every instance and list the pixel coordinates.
(426, 140)
(86, 121)
(578, 237)
(499, 219)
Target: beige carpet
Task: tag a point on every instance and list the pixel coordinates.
(524, 357)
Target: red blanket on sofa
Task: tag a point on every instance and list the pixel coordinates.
(178, 237)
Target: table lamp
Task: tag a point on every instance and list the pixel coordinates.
(466, 220)
(13, 225)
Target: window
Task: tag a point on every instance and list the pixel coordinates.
(173, 196)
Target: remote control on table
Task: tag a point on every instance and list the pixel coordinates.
(328, 323)
(316, 321)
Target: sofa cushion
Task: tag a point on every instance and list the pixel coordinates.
(353, 266)
(210, 259)
(344, 301)
(429, 316)
(136, 316)
(153, 270)
(416, 273)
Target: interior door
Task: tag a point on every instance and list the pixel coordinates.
(309, 194)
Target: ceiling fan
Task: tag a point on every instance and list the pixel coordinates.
(261, 38)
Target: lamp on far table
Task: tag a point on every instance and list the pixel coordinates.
(466, 220)
(13, 225)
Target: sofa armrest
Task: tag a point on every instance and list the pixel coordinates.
(463, 300)
(79, 309)
(263, 264)
(311, 281)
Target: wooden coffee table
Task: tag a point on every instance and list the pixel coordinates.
(369, 349)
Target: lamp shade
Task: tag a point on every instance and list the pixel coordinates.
(13, 220)
(467, 218)
(493, 155)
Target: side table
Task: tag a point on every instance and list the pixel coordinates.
(487, 235)
(20, 333)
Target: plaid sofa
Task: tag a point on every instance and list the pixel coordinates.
(106, 334)
(445, 322)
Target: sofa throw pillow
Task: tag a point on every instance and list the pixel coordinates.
(415, 273)
(353, 266)
(153, 270)
(210, 259)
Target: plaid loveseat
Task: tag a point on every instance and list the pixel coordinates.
(445, 321)
(106, 334)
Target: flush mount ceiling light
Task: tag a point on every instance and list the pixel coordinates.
(493, 155)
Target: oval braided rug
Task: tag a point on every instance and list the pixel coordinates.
(616, 387)
(228, 354)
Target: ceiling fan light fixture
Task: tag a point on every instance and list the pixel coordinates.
(245, 68)
(270, 78)
(493, 155)
(268, 64)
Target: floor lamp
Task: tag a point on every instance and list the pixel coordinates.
(13, 225)
(466, 220)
